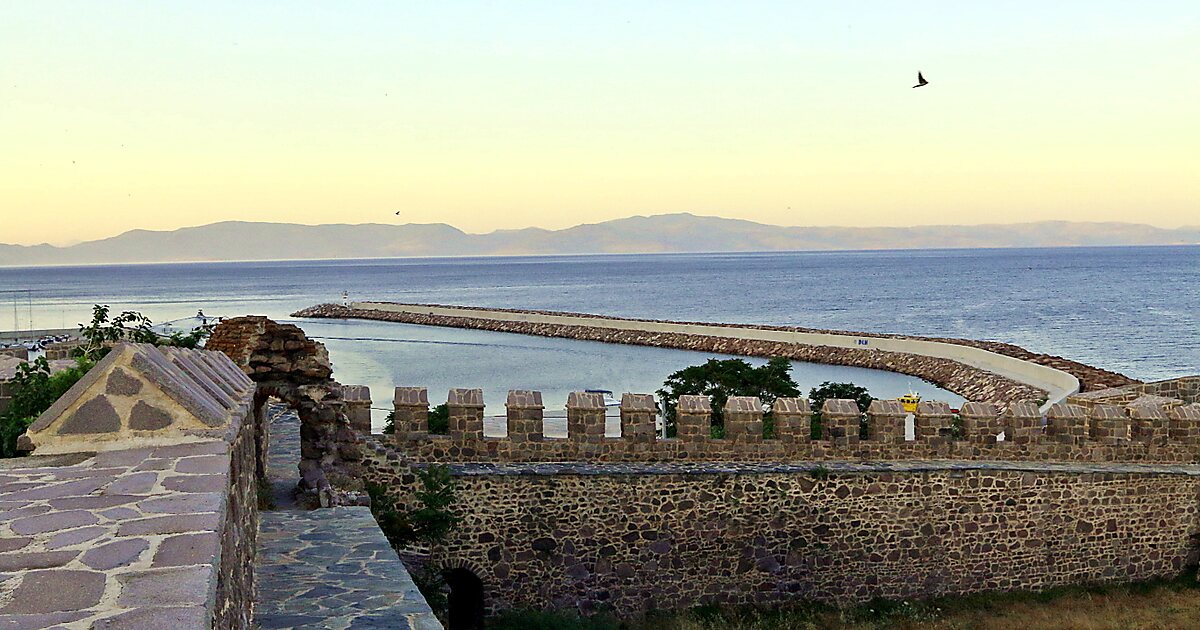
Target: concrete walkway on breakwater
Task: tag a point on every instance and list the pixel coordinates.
(1056, 383)
(329, 568)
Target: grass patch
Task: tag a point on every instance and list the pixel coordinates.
(1166, 604)
(551, 620)
(266, 500)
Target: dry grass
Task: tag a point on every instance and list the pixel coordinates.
(1166, 605)
(1161, 604)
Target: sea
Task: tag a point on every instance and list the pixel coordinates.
(1135, 310)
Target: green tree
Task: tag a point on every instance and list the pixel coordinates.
(104, 330)
(34, 389)
(434, 520)
(721, 378)
(831, 391)
(439, 421)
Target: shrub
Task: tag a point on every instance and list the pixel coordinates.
(34, 390)
(434, 520)
(439, 421)
(128, 326)
(550, 620)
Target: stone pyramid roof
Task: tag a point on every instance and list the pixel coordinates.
(164, 395)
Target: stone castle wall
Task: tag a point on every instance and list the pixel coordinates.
(1170, 392)
(633, 523)
(1068, 432)
(286, 364)
(635, 537)
(234, 602)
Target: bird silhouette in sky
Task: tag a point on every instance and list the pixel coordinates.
(397, 213)
(921, 82)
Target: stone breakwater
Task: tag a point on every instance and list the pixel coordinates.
(967, 381)
(1090, 377)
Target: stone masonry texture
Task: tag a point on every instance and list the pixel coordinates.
(286, 364)
(328, 569)
(156, 531)
(634, 537)
(636, 522)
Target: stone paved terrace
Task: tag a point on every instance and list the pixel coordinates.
(328, 568)
(149, 532)
(125, 539)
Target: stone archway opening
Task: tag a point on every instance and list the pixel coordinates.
(289, 366)
(465, 609)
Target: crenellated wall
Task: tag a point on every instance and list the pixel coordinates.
(1176, 391)
(1068, 432)
(636, 522)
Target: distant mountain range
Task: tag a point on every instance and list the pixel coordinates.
(237, 240)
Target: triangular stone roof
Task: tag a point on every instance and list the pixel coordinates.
(151, 394)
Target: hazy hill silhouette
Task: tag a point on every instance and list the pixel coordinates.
(238, 240)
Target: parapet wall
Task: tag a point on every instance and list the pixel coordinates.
(138, 507)
(945, 364)
(1169, 393)
(1139, 433)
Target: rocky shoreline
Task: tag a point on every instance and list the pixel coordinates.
(967, 381)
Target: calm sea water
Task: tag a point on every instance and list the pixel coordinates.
(1135, 310)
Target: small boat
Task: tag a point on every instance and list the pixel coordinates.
(609, 400)
(909, 401)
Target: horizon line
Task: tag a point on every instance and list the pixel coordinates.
(589, 254)
(624, 218)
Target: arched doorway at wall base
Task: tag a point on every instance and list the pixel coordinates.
(465, 609)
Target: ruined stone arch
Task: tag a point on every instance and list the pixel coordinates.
(289, 366)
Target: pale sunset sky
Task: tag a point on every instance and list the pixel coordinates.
(491, 115)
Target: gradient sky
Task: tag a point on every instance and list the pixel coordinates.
(121, 115)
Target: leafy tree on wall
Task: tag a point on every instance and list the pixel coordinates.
(105, 330)
(832, 391)
(439, 421)
(34, 390)
(721, 378)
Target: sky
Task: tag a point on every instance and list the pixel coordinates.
(490, 115)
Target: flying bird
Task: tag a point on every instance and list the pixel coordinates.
(921, 82)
